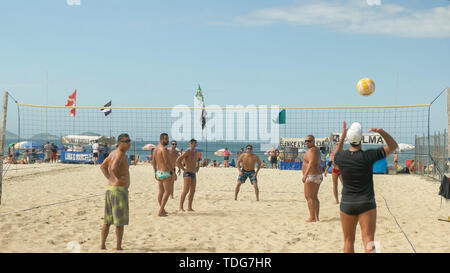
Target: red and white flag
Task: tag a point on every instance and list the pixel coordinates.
(72, 101)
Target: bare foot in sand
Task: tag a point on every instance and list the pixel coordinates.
(163, 214)
(310, 220)
(181, 210)
(190, 209)
(102, 247)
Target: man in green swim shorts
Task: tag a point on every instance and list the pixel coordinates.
(116, 169)
(162, 167)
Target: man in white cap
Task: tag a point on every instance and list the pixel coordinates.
(358, 196)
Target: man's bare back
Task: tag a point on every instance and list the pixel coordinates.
(161, 158)
(116, 169)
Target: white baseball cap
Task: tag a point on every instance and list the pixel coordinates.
(354, 133)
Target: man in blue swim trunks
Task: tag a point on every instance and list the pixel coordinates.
(162, 167)
(248, 160)
(190, 165)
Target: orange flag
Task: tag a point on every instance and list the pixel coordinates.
(72, 101)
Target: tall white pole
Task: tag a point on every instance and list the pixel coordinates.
(2, 139)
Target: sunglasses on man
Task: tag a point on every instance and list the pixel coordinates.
(126, 141)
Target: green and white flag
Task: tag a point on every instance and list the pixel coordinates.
(281, 117)
(199, 95)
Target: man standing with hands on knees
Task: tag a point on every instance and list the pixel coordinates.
(358, 196)
(116, 169)
(248, 160)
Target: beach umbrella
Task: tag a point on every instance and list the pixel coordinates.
(402, 147)
(28, 145)
(148, 147)
(219, 152)
(268, 151)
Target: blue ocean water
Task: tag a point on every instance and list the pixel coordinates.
(208, 149)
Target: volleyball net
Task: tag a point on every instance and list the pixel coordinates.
(233, 127)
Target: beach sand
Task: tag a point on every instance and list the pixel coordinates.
(46, 207)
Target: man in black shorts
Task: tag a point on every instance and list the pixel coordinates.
(358, 196)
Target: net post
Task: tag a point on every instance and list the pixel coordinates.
(448, 125)
(2, 139)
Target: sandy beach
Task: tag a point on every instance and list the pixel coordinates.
(45, 207)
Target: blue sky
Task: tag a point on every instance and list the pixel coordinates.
(290, 53)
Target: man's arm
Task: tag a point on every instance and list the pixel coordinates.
(259, 165)
(238, 165)
(391, 143)
(104, 167)
(115, 166)
(340, 145)
(154, 161)
(180, 159)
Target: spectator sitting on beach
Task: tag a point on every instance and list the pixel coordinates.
(264, 164)
(214, 164)
(205, 162)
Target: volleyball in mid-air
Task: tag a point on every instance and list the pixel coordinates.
(365, 87)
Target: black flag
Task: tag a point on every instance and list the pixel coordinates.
(106, 111)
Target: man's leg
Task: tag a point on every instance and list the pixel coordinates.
(335, 178)
(192, 187)
(309, 190)
(186, 188)
(255, 185)
(236, 192)
(165, 197)
(172, 182)
(349, 223)
(105, 232)
(367, 222)
(316, 201)
(119, 236)
(160, 191)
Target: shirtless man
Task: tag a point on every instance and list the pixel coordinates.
(248, 160)
(312, 177)
(190, 165)
(115, 169)
(163, 172)
(173, 155)
(274, 157)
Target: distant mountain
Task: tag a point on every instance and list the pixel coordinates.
(90, 134)
(43, 136)
(10, 135)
